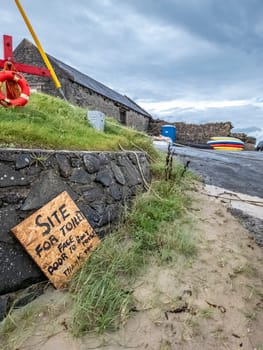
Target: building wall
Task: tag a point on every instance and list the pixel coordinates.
(74, 92)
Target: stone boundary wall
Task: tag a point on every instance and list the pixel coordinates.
(200, 133)
(100, 183)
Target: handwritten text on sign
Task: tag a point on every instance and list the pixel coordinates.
(58, 237)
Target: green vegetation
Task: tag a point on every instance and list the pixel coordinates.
(155, 230)
(50, 123)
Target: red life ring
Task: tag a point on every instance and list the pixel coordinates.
(21, 81)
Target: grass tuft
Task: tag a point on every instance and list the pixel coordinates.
(155, 228)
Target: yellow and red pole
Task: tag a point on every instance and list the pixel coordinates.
(40, 49)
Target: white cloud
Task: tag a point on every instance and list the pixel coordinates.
(167, 107)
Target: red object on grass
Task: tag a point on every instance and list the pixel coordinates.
(22, 98)
(20, 67)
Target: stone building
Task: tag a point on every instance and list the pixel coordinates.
(81, 89)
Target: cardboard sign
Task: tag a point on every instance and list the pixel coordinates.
(58, 237)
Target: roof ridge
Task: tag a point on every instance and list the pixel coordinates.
(103, 86)
(94, 85)
(137, 105)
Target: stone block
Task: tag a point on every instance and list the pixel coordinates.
(91, 163)
(17, 269)
(10, 177)
(47, 187)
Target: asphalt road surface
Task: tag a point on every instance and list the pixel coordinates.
(235, 171)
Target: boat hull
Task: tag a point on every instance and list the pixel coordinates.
(226, 143)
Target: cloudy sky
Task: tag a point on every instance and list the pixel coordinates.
(182, 60)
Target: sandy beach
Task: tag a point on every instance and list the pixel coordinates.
(214, 301)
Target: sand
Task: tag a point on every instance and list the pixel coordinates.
(214, 301)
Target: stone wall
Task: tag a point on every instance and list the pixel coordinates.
(75, 93)
(200, 133)
(190, 133)
(249, 140)
(100, 183)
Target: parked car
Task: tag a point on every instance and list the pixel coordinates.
(259, 146)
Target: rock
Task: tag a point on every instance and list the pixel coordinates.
(93, 194)
(130, 172)
(116, 192)
(104, 158)
(65, 169)
(90, 214)
(17, 269)
(13, 197)
(118, 174)
(7, 156)
(8, 218)
(110, 215)
(80, 176)
(33, 171)
(76, 162)
(91, 163)
(10, 177)
(22, 161)
(98, 206)
(48, 186)
(104, 177)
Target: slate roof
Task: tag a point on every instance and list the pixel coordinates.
(98, 87)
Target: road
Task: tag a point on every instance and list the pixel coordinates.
(235, 171)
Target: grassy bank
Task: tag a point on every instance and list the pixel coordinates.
(51, 123)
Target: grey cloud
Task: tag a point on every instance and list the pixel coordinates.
(157, 50)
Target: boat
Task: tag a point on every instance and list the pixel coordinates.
(222, 148)
(225, 143)
(226, 138)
